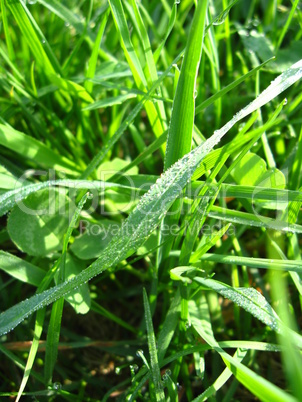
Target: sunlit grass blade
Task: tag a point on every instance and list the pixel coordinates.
(94, 55)
(33, 351)
(33, 35)
(181, 125)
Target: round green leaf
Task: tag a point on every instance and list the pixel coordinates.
(37, 224)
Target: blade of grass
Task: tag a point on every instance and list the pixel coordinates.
(155, 372)
(180, 131)
(94, 55)
(182, 119)
(289, 265)
(54, 328)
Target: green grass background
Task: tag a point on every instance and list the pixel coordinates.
(165, 261)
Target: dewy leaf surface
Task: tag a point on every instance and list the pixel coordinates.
(150, 210)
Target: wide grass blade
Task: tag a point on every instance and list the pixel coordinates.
(149, 212)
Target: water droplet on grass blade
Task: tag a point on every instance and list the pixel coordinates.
(139, 353)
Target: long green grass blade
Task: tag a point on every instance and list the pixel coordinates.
(155, 372)
(182, 119)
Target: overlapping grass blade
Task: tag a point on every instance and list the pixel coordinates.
(149, 212)
(222, 379)
(263, 389)
(181, 126)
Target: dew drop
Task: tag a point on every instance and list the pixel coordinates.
(188, 324)
(32, 2)
(139, 352)
(118, 370)
(67, 24)
(285, 102)
(177, 1)
(195, 93)
(57, 386)
(43, 41)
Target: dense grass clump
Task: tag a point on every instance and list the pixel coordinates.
(150, 165)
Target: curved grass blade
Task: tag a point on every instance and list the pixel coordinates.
(149, 212)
